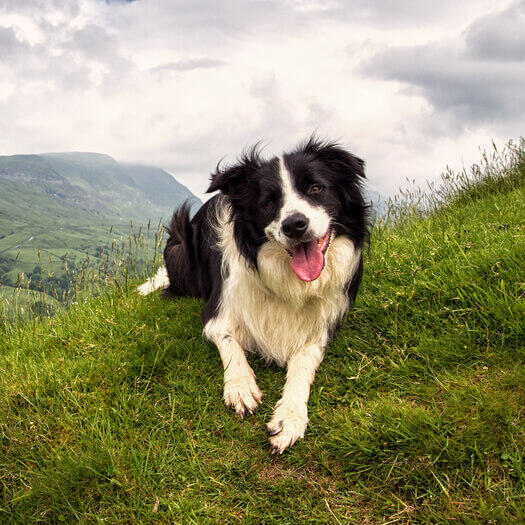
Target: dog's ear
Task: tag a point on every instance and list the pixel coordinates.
(231, 179)
(338, 160)
(228, 180)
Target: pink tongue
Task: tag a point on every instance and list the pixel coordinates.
(307, 261)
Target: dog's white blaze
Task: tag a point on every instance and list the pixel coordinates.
(160, 280)
(271, 311)
(293, 202)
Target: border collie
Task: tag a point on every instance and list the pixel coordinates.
(277, 255)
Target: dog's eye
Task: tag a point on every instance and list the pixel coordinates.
(315, 188)
(269, 203)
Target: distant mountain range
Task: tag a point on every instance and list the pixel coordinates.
(62, 211)
(87, 184)
(378, 202)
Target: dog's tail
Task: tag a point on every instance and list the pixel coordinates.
(159, 281)
(179, 229)
(179, 235)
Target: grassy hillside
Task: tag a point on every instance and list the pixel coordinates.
(90, 183)
(76, 206)
(112, 410)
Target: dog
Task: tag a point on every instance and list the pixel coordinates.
(277, 256)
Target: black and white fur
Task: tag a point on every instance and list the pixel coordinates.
(235, 253)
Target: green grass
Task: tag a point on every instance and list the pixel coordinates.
(22, 304)
(112, 410)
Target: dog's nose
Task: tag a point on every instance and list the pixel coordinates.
(295, 225)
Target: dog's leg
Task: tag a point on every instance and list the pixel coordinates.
(290, 417)
(240, 389)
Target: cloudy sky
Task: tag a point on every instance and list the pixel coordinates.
(411, 86)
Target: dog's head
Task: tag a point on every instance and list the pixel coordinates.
(301, 201)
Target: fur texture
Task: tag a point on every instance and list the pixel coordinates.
(277, 255)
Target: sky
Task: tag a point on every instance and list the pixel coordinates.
(410, 86)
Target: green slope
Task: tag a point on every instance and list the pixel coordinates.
(66, 203)
(114, 188)
(158, 185)
(112, 411)
(43, 190)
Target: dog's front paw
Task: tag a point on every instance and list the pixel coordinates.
(288, 424)
(242, 394)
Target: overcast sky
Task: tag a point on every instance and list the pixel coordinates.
(410, 86)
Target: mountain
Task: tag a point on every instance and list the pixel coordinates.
(158, 185)
(92, 183)
(43, 193)
(74, 206)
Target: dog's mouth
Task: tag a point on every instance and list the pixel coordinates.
(308, 258)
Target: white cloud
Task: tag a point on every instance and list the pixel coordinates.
(499, 36)
(478, 80)
(182, 84)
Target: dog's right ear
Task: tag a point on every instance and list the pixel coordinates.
(231, 179)
(228, 180)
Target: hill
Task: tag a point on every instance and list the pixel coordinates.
(112, 410)
(88, 184)
(63, 205)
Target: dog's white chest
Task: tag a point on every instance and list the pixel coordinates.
(273, 312)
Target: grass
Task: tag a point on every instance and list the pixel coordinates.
(111, 411)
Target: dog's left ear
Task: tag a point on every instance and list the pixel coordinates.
(338, 160)
(231, 179)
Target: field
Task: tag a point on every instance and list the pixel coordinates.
(55, 260)
(111, 411)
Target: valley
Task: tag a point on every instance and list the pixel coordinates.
(62, 213)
